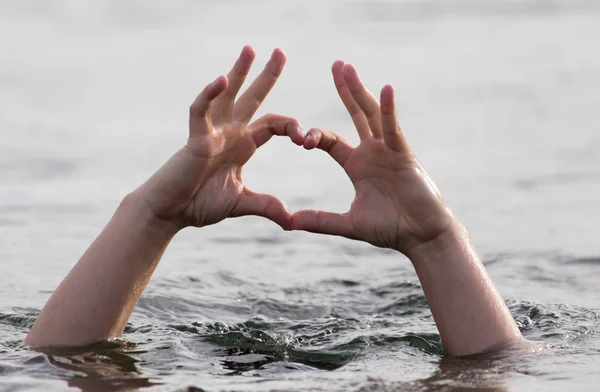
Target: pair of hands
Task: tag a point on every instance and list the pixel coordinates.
(396, 206)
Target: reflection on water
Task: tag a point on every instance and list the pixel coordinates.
(499, 100)
(100, 367)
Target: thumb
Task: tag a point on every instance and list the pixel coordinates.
(268, 206)
(323, 223)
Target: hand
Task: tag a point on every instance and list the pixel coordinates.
(202, 183)
(397, 205)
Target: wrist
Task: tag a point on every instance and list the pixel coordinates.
(454, 238)
(139, 210)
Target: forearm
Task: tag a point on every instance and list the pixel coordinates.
(96, 298)
(199, 186)
(470, 314)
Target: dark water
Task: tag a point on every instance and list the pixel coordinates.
(499, 98)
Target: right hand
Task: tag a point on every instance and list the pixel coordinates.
(202, 183)
(397, 205)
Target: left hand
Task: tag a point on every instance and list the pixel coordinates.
(202, 183)
(397, 205)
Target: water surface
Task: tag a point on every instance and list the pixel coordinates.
(499, 99)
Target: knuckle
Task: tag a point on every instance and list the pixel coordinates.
(242, 71)
(272, 71)
(354, 110)
(319, 219)
(387, 109)
(329, 143)
(371, 111)
(269, 117)
(257, 99)
(313, 132)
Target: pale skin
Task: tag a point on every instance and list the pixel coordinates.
(396, 206)
(199, 186)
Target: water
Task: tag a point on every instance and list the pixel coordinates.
(499, 99)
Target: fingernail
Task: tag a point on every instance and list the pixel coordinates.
(297, 128)
(310, 138)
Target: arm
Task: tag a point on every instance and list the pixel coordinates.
(398, 206)
(199, 186)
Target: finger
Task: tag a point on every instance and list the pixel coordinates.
(269, 125)
(199, 120)
(250, 101)
(323, 223)
(392, 134)
(358, 117)
(330, 142)
(223, 105)
(367, 102)
(267, 206)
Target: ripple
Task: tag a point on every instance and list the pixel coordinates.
(593, 261)
(330, 325)
(554, 323)
(393, 288)
(325, 344)
(21, 320)
(274, 308)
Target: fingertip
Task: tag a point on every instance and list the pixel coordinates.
(351, 75)
(301, 130)
(217, 87)
(209, 93)
(309, 142)
(220, 82)
(337, 70)
(295, 133)
(246, 59)
(278, 55)
(264, 205)
(248, 51)
(286, 224)
(282, 217)
(278, 59)
(387, 98)
(337, 66)
(291, 225)
(283, 221)
(298, 221)
(349, 70)
(312, 139)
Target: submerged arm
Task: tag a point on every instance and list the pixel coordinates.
(199, 186)
(398, 206)
(96, 298)
(470, 314)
